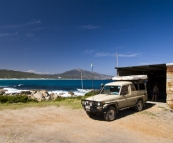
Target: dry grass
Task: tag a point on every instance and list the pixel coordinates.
(165, 109)
(148, 113)
(72, 103)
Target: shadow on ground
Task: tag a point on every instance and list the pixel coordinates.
(162, 100)
(123, 113)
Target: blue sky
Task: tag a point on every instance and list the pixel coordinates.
(54, 36)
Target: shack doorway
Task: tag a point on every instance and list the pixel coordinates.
(156, 75)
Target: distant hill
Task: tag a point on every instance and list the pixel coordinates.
(72, 74)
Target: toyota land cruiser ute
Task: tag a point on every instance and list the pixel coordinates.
(125, 92)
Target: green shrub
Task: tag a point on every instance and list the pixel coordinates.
(78, 97)
(15, 99)
(31, 100)
(91, 93)
(69, 98)
(60, 99)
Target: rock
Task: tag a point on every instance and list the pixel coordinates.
(44, 93)
(33, 92)
(61, 94)
(6, 94)
(47, 98)
(31, 96)
(54, 96)
(14, 94)
(38, 95)
(2, 92)
(25, 92)
(51, 95)
(71, 93)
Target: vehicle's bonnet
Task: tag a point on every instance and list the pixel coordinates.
(103, 97)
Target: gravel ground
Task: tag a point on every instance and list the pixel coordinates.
(65, 125)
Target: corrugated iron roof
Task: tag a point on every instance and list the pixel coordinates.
(144, 67)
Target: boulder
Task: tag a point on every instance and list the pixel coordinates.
(71, 93)
(30, 96)
(44, 93)
(14, 94)
(25, 92)
(53, 96)
(56, 96)
(2, 92)
(47, 98)
(6, 94)
(60, 94)
(33, 92)
(38, 95)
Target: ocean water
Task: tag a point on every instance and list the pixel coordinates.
(52, 86)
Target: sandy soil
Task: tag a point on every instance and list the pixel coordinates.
(64, 125)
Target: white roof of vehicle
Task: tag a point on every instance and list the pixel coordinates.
(118, 83)
(130, 77)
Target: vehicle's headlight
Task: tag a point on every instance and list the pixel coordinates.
(91, 103)
(100, 103)
(86, 102)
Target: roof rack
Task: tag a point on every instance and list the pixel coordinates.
(131, 77)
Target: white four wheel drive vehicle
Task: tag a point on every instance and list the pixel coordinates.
(125, 92)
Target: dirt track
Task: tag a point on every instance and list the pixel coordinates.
(61, 124)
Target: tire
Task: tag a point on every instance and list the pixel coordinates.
(139, 106)
(110, 114)
(90, 114)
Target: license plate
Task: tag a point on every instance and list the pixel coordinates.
(87, 107)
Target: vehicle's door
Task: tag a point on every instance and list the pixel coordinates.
(143, 91)
(133, 97)
(123, 98)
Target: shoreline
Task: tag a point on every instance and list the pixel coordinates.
(44, 79)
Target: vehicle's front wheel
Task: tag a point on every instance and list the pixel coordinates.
(139, 105)
(110, 114)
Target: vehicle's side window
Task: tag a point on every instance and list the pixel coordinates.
(141, 86)
(124, 90)
(136, 86)
(133, 87)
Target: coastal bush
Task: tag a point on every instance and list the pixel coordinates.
(60, 99)
(15, 99)
(91, 93)
(69, 98)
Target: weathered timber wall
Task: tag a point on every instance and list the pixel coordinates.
(169, 85)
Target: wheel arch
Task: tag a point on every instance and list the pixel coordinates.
(139, 99)
(115, 105)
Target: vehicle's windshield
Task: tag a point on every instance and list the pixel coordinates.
(111, 90)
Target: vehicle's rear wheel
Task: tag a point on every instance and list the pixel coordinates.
(139, 106)
(90, 114)
(110, 114)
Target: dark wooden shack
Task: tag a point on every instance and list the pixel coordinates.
(159, 74)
